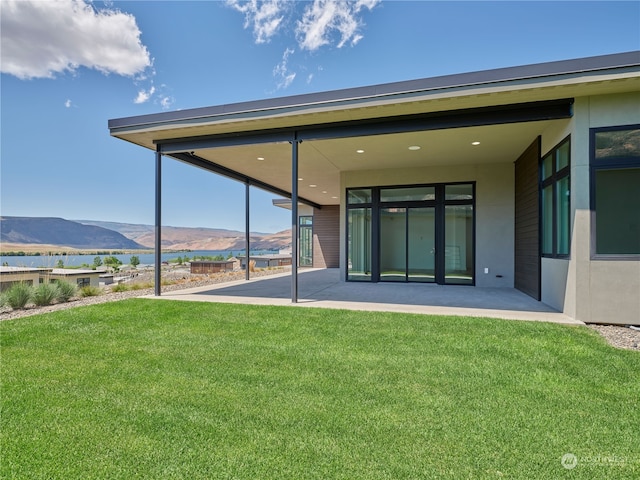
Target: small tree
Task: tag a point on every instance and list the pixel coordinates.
(97, 261)
(134, 261)
(60, 264)
(113, 263)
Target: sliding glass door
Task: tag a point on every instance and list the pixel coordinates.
(412, 234)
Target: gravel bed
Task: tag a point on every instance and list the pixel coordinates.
(617, 336)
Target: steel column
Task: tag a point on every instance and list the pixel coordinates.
(294, 220)
(247, 239)
(158, 227)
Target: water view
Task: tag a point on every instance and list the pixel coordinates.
(76, 260)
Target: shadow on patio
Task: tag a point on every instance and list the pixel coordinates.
(323, 288)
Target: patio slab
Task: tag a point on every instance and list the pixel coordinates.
(323, 288)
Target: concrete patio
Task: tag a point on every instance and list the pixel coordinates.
(323, 288)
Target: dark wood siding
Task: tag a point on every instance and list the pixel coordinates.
(326, 237)
(527, 222)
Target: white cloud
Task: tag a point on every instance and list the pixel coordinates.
(68, 103)
(265, 17)
(324, 18)
(166, 102)
(42, 38)
(284, 77)
(144, 95)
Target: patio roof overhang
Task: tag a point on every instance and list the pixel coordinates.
(503, 109)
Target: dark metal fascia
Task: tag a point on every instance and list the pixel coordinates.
(471, 117)
(199, 162)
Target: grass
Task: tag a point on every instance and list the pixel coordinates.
(160, 389)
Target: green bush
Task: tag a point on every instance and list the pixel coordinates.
(18, 295)
(44, 294)
(120, 287)
(66, 290)
(90, 291)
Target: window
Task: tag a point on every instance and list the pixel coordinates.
(415, 233)
(615, 192)
(83, 282)
(556, 201)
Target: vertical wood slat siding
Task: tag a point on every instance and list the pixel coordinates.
(326, 237)
(527, 222)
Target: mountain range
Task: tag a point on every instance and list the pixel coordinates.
(92, 234)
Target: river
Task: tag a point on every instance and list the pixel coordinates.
(77, 260)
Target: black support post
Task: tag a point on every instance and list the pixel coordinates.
(247, 238)
(294, 220)
(158, 228)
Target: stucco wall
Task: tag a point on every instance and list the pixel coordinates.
(494, 210)
(598, 291)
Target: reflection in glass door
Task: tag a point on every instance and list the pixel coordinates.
(393, 244)
(306, 241)
(458, 251)
(407, 244)
(421, 245)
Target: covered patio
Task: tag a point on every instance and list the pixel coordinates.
(322, 288)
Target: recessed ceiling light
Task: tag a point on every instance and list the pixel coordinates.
(324, 191)
(414, 147)
(360, 151)
(260, 158)
(313, 186)
(300, 179)
(475, 143)
(334, 197)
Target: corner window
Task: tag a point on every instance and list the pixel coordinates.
(615, 192)
(556, 201)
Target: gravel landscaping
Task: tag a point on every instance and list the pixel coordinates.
(617, 336)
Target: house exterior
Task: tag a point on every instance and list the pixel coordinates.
(28, 275)
(35, 276)
(524, 177)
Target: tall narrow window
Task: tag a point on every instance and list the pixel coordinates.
(556, 201)
(615, 187)
(359, 234)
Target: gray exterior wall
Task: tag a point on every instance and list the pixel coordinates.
(598, 291)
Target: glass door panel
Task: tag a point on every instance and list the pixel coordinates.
(422, 244)
(393, 244)
(306, 246)
(458, 242)
(359, 247)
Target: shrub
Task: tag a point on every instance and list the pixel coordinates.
(89, 291)
(44, 294)
(66, 290)
(140, 286)
(120, 287)
(18, 295)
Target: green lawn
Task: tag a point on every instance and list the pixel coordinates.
(160, 389)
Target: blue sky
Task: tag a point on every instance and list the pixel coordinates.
(69, 66)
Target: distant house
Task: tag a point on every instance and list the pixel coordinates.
(524, 177)
(35, 276)
(81, 278)
(266, 261)
(28, 275)
(212, 266)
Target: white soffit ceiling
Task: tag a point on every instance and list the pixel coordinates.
(321, 161)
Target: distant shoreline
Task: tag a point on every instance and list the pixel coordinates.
(39, 250)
